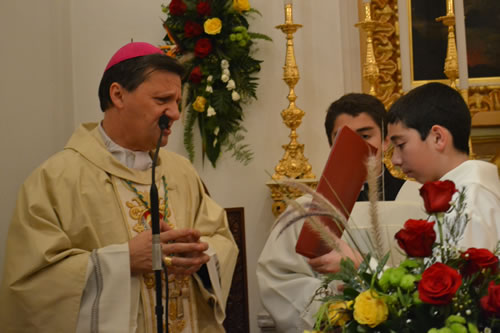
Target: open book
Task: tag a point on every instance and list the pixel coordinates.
(340, 182)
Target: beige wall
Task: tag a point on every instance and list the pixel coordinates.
(55, 56)
(35, 92)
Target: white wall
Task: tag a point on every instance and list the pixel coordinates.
(35, 92)
(66, 46)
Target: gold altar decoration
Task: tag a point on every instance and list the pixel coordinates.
(370, 68)
(372, 73)
(293, 164)
(386, 52)
(483, 101)
(451, 61)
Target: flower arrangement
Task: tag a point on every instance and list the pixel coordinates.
(438, 288)
(211, 38)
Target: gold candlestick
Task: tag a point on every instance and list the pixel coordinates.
(370, 67)
(293, 164)
(451, 62)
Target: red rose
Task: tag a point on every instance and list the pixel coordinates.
(177, 7)
(478, 259)
(491, 302)
(417, 238)
(196, 75)
(192, 29)
(203, 47)
(439, 284)
(437, 195)
(203, 8)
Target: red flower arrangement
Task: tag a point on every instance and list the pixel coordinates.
(196, 75)
(192, 29)
(203, 8)
(491, 302)
(177, 7)
(437, 195)
(417, 238)
(203, 47)
(477, 260)
(214, 41)
(439, 287)
(439, 284)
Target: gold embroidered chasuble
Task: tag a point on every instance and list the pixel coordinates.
(76, 202)
(182, 316)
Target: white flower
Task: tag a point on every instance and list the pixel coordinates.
(235, 96)
(210, 78)
(209, 89)
(224, 78)
(224, 64)
(230, 85)
(226, 71)
(211, 112)
(216, 131)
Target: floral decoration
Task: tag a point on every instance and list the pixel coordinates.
(438, 288)
(212, 39)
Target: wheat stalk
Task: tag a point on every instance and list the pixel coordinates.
(325, 234)
(321, 206)
(373, 195)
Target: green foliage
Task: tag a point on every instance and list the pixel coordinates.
(225, 75)
(188, 134)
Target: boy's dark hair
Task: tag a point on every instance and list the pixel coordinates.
(434, 104)
(354, 104)
(132, 72)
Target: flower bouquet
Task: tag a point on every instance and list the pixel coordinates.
(438, 288)
(212, 39)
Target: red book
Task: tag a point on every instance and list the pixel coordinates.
(340, 183)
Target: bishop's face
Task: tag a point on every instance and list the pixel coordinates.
(159, 94)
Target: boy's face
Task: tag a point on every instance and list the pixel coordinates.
(412, 154)
(364, 125)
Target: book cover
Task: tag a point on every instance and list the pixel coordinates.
(340, 182)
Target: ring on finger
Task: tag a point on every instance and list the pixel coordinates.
(167, 261)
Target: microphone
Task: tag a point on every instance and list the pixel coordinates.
(163, 122)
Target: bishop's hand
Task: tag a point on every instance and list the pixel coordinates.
(182, 246)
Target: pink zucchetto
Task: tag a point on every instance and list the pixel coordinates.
(132, 50)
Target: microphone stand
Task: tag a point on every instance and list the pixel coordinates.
(155, 222)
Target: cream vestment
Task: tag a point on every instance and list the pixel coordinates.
(67, 260)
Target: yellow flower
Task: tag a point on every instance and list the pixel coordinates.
(241, 5)
(338, 313)
(370, 309)
(212, 26)
(199, 104)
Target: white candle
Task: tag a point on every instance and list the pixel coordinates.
(366, 1)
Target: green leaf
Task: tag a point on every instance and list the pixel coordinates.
(253, 10)
(256, 35)
(382, 263)
(188, 132)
